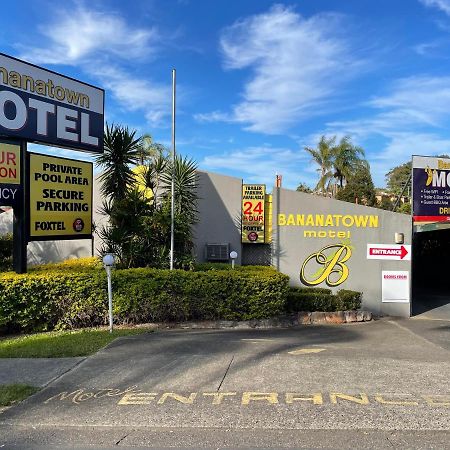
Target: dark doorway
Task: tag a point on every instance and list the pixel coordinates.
(431, 274)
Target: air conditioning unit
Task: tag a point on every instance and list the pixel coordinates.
(217, 252)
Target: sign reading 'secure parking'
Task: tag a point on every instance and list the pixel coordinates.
(43, 106)
(60, 198)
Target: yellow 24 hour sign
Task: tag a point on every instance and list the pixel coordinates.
(253, 213)
(60, 198)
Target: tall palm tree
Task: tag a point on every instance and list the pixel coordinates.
(149, 150)
(323, 157)
(121, 151)
(346, 160)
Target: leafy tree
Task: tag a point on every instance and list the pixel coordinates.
(359, 187)
(397, 177)
(323, 157)
(386, 203)
(405, 208)
(302, 187)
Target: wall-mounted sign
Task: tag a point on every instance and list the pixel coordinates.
(431, 189)
(42, 106)
(10, 182)
(395, 286)
(60, 198)
(389, 251)
(253, 213)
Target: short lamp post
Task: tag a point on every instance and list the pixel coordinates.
(108, 262)
(233, 256)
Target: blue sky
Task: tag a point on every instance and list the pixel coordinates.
(256, 80)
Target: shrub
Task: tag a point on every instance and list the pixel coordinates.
(320, 299)
(65, 297)
(6, 251)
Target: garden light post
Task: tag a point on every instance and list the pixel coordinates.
(108, 263)
(233, 256)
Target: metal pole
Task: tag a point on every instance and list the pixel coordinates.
(110, 298)
(172, 218)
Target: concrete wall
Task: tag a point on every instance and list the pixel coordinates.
(291, 247)
(219, 213)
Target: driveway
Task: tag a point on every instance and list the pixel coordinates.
(378, 384)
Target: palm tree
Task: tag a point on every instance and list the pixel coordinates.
(121, 152)
(323, 156)
(149, 149)
(346, 160)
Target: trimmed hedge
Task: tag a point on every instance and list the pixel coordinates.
(319, 299)
(73, 294)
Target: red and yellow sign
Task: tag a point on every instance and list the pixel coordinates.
(253, 213)
(9, 163)
(60, 198)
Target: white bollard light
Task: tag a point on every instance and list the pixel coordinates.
(108, 262)
(233, 256)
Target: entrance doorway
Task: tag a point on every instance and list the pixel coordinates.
(431, 274)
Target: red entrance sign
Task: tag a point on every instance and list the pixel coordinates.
(387, 251)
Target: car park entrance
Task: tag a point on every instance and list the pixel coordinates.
(431, 274)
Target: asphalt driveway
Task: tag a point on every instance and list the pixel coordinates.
(378, 384)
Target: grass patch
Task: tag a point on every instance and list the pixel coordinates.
(58, 344)
(14, 393)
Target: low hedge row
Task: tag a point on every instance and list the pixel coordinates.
(55, 296)
(319, 299)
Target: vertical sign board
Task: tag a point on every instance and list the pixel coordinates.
(253, 213)
(39, 105)
(395, 286)
(60, 198)
(431, 189)
(10, 180)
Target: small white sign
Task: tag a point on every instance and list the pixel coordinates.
(393, 252)
(395, 286)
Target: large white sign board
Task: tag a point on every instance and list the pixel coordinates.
(38, 105)
(395, 286)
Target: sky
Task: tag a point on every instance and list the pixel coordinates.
(257, 80)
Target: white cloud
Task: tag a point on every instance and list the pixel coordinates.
(297, 65)
(409, 119)
(78, 36)
(137, 94)
(259, 164)
(443, 5)
(99, 42)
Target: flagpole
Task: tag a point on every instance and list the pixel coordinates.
(172, 217)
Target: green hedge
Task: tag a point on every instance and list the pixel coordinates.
(58, 296)
(319, 299)
(6, 250)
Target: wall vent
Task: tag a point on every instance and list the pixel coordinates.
(217, 252)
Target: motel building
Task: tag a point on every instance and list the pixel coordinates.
(397, 261)
(317, 241)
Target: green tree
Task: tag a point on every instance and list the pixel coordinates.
(347, 159)
(150, 150)
(359, 187)
(397, 177)
(385, 203)
(323, 157)
(302, 187)
(405, 208)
